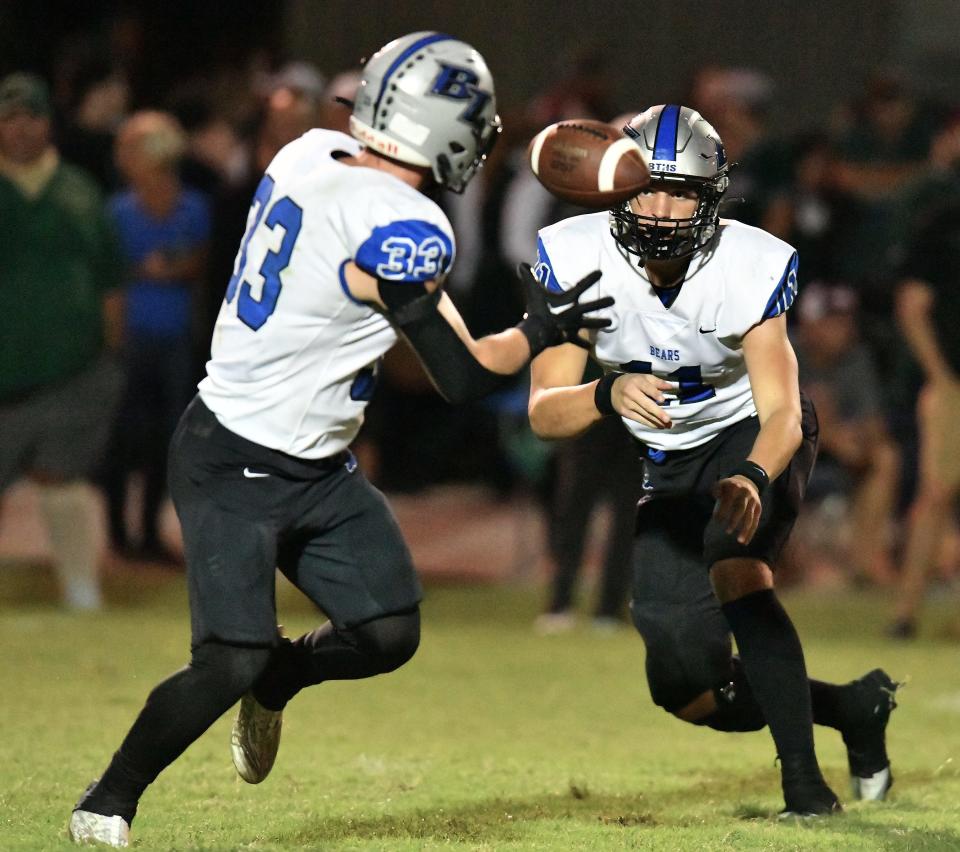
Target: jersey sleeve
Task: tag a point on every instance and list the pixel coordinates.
(784, 292)
(543, 267)
(566, 252)
(398, 236)
(761, 282)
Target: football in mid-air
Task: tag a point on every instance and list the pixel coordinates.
(588, 163)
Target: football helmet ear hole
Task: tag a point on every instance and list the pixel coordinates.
(445, 169)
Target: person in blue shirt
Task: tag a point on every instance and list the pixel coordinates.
(164, 228)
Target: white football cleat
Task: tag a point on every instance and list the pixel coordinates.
(87, 827)
(255, 739)
(874, 787)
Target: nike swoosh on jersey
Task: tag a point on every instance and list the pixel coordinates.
(706, 330)
(253, 474)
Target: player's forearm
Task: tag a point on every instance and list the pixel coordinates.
(779, 438)
(506, 352)
(563, 412)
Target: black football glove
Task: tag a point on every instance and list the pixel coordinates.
(542, 327)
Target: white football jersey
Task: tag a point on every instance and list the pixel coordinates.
(294, 357)
(745, 276)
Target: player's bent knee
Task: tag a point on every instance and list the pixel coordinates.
(736, 709)
(389, 641)
(735, 578)
(686, 655)
(698, 710)
(234, 668)
(728, 706)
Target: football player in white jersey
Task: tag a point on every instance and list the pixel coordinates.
(699, 368)
(344, 250)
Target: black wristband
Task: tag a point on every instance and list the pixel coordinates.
(603, 393)
(752, 471)
(539, 333)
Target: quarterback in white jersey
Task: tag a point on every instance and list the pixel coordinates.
(343, 251)
(699, 368)
(691, 336)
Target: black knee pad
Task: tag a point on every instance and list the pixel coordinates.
(674, 607)
(737, 709)
(389, 641)
(234, 668)
(687, 653)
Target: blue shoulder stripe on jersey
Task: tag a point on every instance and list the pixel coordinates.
(342, 275)
(785, 292)
(543, 269)
(403, 57)
(665, 144)
(410, 250)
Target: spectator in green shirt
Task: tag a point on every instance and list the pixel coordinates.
(58, 274)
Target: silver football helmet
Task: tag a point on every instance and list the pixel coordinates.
(427, 99)
(679, 147)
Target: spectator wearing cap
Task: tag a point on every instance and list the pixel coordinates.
(164, 228)
(857, 457)
(58, 277)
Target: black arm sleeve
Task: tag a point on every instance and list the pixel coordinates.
(455, 373)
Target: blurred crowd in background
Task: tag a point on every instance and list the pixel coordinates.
(175, 171)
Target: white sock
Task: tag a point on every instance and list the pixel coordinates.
(69, 513)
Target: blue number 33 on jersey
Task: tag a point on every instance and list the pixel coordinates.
(287, 214)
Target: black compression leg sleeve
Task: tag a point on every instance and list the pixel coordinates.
(737, 709)
(373, 648)
(177, 712)
(773, 661)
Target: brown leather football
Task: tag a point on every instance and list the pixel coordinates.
(587, 162)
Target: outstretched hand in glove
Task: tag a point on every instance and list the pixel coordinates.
(545, 325)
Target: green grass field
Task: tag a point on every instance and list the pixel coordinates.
(491, 738)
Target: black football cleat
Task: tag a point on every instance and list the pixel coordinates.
(806, 795)
(871, 700)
